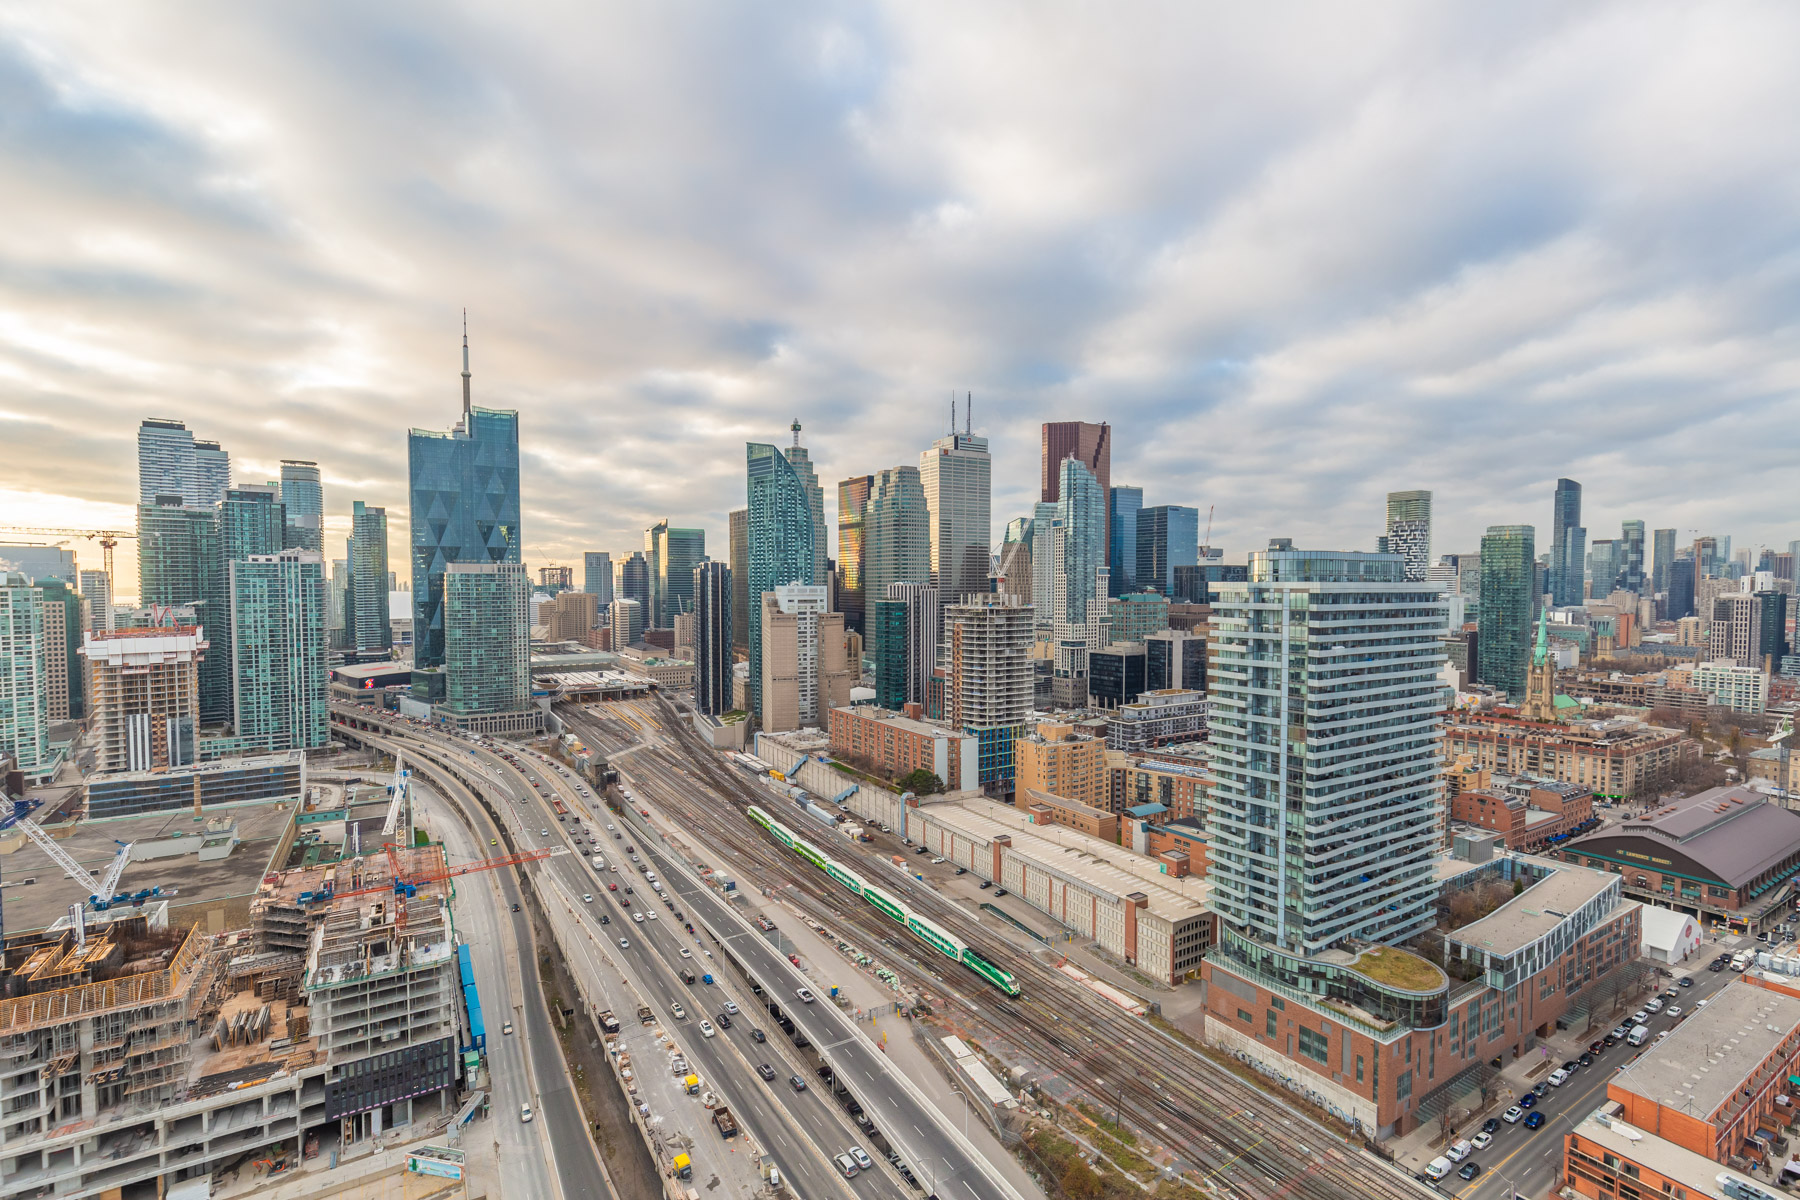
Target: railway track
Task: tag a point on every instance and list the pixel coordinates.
(1217, 1126)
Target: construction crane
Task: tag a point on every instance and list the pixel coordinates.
(404, 887)
(108, 538)
(1206, 546)
(401, 791)
(100, 890)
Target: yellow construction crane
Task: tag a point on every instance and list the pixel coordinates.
(108, 538)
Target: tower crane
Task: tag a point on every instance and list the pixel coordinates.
(1206, 546)
(100, 889)
(108, 538)
(401, 791)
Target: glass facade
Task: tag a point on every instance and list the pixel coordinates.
(597, 577)
(1168, 538)
(1566, 549)
(887, 642)
(24, 673)
(464, 493)
(1631, 556)
(1117, 674)
(712, 638)
(779, 539)
(896, 532)
(181, 561)
(1664, 545)
(632, 580)
(956, 475)
(1138, 615)
(741, 614)
(1122, 507)
(366, 602)
(853, 503)
(1508, 561)
(1409, 531)
(487, 638)
(277, 652)
(303, 499)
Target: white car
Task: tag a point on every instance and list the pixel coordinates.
(1513, 1115)
(678, 1012)
(731, 1007)
(1482, 1140)
(707, 1030)
(651, 913)
(1674, 1010)
(805, 994)
(587, 897)
(638, 917)
(525, 1113)
(686, 953)
(506, 1028)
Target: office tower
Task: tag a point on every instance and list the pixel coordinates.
(96, 589)
(1122, 507)
(655, 539)
(1043, 565)
(805, 670)
(1663, 543)
(633, 580)
(679, 552)
(779, 541)
(1078, 615)
(368, 594)
(1602, 568)
(145, 689)
(303, 502)
(712, 638)
(905, 643)
(25, 654)
(1748, 628)
(1409, 531)
(741, 612)
(1468, 568)
(252, 520)
(487, 646)
(896, 532)
(1175, 658)
(988, 679)
(1091, 446)
(62, 639)
(1631, 556)
(956, 474)
(1508, 555)
(625, 622)
(181, 562)
(40, 562)
(464, 493)
(597, 577)
(853, 502)
(571, 615)
(172, 463)
(1772, 643)
(1566, 552)
(1681, 587)
(1168, 538)
(280, 688)
(1323, 814)
(801, 462)
(1136, 615)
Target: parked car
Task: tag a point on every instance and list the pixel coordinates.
(1458, 1151)
(1468, 1170)
(1535, 1121)
(1528, 1100)
(1491, 1125)
(1513, 1115)
(1482, 1140)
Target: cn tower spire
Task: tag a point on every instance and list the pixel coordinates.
(465, 366)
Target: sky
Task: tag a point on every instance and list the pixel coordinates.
(1298, 255)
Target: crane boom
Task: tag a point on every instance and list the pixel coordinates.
(74, 870)
(1207, 544)
(402, 792)
(111, 878)
(108, 538)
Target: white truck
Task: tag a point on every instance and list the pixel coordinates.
(599, 863)
(1639, 1035)
(1742, 959)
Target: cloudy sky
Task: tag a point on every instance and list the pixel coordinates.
(1298, 255)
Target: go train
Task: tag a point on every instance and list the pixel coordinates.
(933, 935)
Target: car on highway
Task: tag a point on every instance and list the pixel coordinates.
(493, 841)
(638, 917)
(1513, 1115)
(612, 887)
(587, 897)
(686, 953)
(805, 994)
(766, 1071)
(651, 913)
(515, 908)
(707, 1030)
(1535, 1121)
(862, 1159)
(506, 1028)
(724, 1020)
(847, 1165)
(525, 1113)
(797, 1083)
(757, 1035)
(731, 1007)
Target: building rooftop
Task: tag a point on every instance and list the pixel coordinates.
(1705, 1060)
(1537, 910)
(1696, 1172)
(1087, 860)
(887, 716)
(1733, 833)
(255, 829)
(374, 670)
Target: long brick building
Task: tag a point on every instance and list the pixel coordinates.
(1618, 760)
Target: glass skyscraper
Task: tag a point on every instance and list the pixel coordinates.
(1508, 563)
(1168, 537)
(181, 561)
(671, 555)
(853, 503)
(25, 652)
(464, 494)
(1123, 505)
(1631, 556)
(252, 520)
(712, 638)
(632, 581)
(280, 698)
(1664, 545)
(1567, 544)
(597, 577)
(1078, 617)
(956, 475)
(801, 461)
(366, 604)
(779, 540)
(303, 496)
(487, 638)
(172, 463)
(905, 643)
(896, 533)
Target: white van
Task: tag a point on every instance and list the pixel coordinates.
(1654, 1007)
(1458, 1151)
(1558, 1077)
(1639, 1036)
(1438, 1168)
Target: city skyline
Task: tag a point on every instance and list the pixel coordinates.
(1318, 280)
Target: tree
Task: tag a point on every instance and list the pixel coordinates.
(921, 782)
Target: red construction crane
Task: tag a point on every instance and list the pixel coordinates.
(406, 887)
(108, 538)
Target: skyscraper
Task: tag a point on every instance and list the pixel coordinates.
(853, 500)
(172, 463)
(368, 596)
(779, 541)
(1090, 445)
(896, 533)
(801, 461)
(1168, 538)
(145, 685)
(1631, 556)
(1602, 567)
(181, 561)
(741, 612)
(597, 576)
(904, 644)
(1078, 616)
(1323, 817)
(805, 670)
(1566, 554)
(280, 698)
(1508, 561)
(712, 638)
(25, 654)
(625, 622)
(655, 538)
(1664, 542)
(464, 494)
(1044, 522)
(681, 550)
(956, 474)
(252, 520)
(988, 679)
(631, 580)
(487, 647)
(96, 589)
(303, 499)
(62, 631)
(1409, 531)
(1122, 507)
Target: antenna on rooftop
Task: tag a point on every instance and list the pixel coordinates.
(796, 428)
(968, 414)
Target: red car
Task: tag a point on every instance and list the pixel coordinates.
(612, 887)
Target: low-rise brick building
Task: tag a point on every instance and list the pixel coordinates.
(1064, 761)
(1617, 760)
(898, 743)
(1527, 815)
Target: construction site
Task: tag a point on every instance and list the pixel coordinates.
(145, 1051)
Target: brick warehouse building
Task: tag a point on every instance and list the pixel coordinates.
(1391, 1028)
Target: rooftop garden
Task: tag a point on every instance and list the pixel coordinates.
(1393, 967)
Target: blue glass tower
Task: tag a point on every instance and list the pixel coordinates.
(1123, 505)
(1168, 536)
(780, 534)
(464, 488)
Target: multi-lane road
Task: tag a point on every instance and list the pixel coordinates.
(802, 1131)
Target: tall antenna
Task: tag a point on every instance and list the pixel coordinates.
(796, 429)
(969, 415)
(952, 412)
(465, 365)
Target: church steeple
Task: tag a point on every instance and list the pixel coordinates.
(1540, 678)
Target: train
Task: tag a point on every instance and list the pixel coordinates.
(888, 905)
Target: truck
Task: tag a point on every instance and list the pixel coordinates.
(1639, 1035)
(1742, 959)
(684, 1167)
(645, 1016)
(599, 863)
(725, 1121)
(608, 1022)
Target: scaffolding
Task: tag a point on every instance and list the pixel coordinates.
(27, 1013)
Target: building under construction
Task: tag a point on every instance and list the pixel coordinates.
(133, 1057)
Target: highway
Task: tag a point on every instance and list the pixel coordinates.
(799, 1131)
